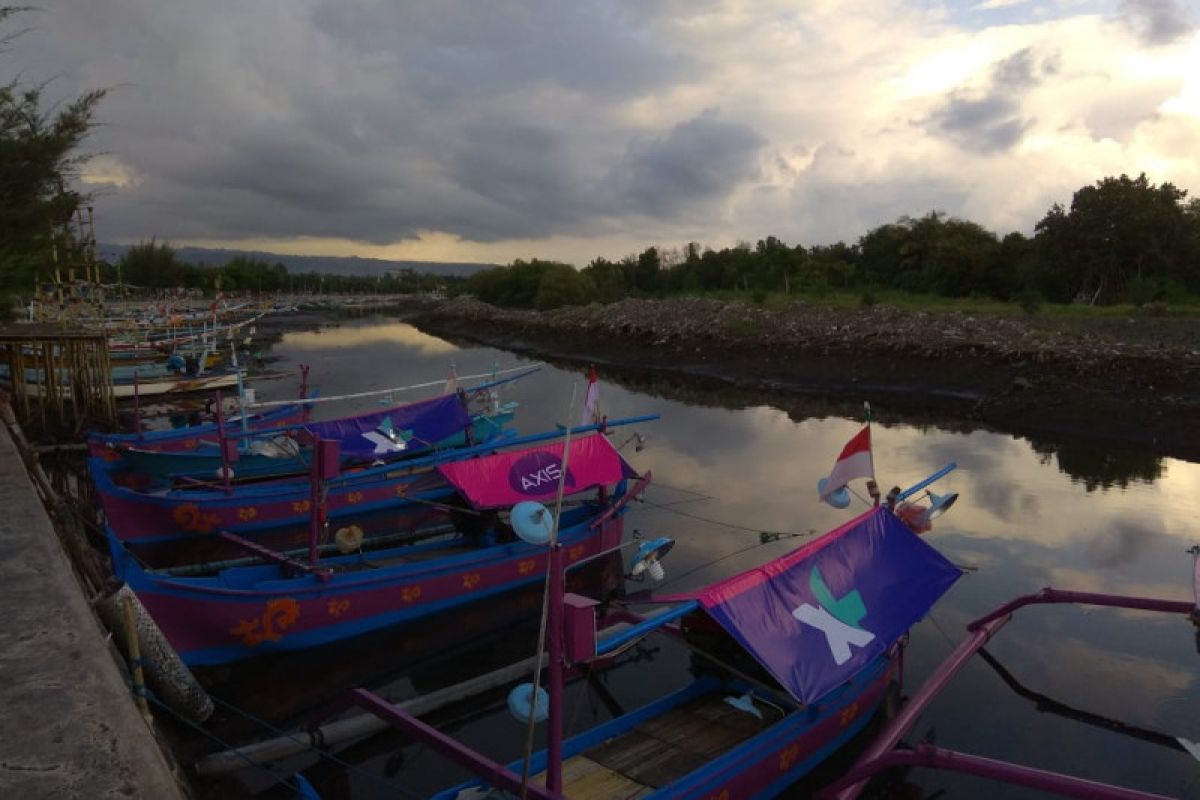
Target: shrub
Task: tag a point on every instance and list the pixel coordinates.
(1030, 301)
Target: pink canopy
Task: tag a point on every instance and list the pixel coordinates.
(506, 479)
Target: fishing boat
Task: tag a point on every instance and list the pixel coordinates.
(885, 751)
(277, 452)
(286, 602)
(470, 416)
(140, 511)
(173, 440)
(793, 659)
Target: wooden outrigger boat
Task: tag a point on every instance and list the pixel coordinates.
(183, 439)
(288, 603)
(401, 432)
(153, 514)
(797, 655)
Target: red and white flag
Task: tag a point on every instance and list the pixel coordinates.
(854, 462)
(591, 400)
(451, 381)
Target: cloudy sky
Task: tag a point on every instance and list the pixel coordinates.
(451, 130)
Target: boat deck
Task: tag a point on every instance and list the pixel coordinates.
(661, 750)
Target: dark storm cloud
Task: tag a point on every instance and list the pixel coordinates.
(457, 49)
(526, 176)
(376, 121)
(1156, 22)
(992, 121)
(693, 164)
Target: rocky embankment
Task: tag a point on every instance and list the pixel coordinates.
(1136, 379)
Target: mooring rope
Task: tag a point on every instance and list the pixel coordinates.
(669, 507)
(283, 778)
(707, 564)
(374, 392)
(313, 747)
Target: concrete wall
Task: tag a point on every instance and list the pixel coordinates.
(69, 727)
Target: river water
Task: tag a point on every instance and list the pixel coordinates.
(1031, 514)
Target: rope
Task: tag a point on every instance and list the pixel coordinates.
(541, 641)
(313, 748)
(719, 523)
(374, 392)
(683, 575)
(284, 779)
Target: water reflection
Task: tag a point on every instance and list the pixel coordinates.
(729, 464)
(361, 335)
(1099, 467)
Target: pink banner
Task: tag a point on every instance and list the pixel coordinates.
(533, 474)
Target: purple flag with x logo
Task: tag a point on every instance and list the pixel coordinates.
(821, 613)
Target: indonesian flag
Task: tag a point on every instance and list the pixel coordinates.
(451, 381)
(591, 400)
(854, 462)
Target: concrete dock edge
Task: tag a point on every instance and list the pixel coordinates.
(69, 727)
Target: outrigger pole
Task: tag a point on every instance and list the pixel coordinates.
(882, 754)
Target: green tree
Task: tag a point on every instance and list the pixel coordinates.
(563, 285)
(38, 160)
(151, 264)
(1117, 231)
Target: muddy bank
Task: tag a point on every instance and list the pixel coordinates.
(1130, 381)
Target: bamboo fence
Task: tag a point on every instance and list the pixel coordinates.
(72, 389)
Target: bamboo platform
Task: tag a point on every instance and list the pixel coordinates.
(660, 750)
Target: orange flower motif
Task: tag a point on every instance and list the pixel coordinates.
(338, 606)
(279, 615)
(354, 497)
(301, 506)
(410, 593)
(188, 517)
(470, 580)
(248, 513)
(788, 757)
(849, 713)
(575, 553)
(526, 567)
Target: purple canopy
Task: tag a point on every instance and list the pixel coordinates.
(821, 613)
(416, 426)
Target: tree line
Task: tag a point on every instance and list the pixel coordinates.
(1121, 240)
(156, 265)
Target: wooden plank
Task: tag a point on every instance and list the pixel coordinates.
(585, 779)
(670, 746)
(646, 759)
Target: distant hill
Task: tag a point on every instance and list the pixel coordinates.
(336, 265)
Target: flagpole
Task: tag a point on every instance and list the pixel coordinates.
(872, 486)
